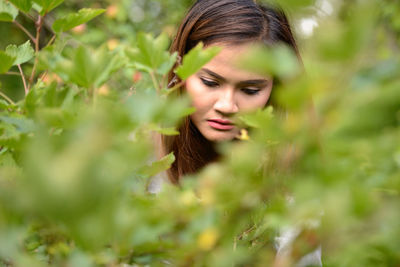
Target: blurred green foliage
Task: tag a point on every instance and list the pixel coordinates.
(77, 153)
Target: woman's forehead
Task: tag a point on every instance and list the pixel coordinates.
(227, 63)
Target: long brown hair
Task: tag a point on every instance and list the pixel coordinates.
(224, 22)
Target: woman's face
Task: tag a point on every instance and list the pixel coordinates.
(221, 89)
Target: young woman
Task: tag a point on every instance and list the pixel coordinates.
(221, 89)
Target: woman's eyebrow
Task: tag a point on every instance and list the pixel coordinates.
(255, 82)
(211, 73)
(258, 82)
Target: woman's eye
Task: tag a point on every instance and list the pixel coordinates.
(209, 83)
(249, 91)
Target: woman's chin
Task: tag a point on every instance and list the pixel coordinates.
(221, 136)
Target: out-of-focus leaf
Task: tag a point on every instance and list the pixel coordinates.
(7, 11)
(87, 68)
(344, 40)
(295, 3)
(24, 5)
(195, 59)
(3, 104)
(158, 166)
(165, 131)
(151, 108)
(278, 61)
(47, 5)
(74, 19)
(22, 53)
(12, 127)
(259, 118)
(8, 133)
(6, 159)
(6, 62)
(151, 54)
(21, 124)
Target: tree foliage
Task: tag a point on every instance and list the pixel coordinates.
(77, 154)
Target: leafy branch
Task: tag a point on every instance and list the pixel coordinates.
(38, 24)
(26, 88)
(7, 98)
(25, 30)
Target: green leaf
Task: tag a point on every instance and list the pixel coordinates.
(22, 125)
(24, 5)
(3, 104)
(88, 68)
(47, 5)
(151, 54)
(259, 118)
(158, 166)
(12, 127)
(7, 11)
(81, 69)
(74, 19)
(6, 159)
(22, 53)
(195, 59)
(278, 61)
(106, 64)
(148, 108)
(164, 130)
(6, 62)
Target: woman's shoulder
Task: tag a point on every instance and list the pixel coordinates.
(156, 182)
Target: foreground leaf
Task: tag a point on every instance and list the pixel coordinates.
(195, 59)
(47, 5)
(87, 68)
(3, 104)
(258, 118)
(278, 61)
(22, 125)
(22, 53)
(151, 54)
(7, 11)
(164, 130)
(6, 62)
(74, 19)
(24, 5)
(158, 166)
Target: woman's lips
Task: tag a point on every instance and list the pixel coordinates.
(224, 125)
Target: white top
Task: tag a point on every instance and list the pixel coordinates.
(283, 243)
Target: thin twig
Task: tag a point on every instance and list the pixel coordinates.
(51, 40)
(38, 24)
(175, 87)
(12, 73)
(154, 79)
(7, 98)
(23, 79)
(25, 31)
(43, 75)
(27, 15)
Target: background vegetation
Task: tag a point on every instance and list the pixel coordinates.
(82, 93)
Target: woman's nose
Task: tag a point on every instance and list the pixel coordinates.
(226, 102)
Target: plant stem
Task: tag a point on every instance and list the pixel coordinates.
(38, 24)
(155, 83)
(7, 98)
(12, 73)
(25, 30)
(23, 79)
(175, 87)
(51, 40)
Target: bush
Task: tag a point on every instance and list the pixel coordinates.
(76, 148)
